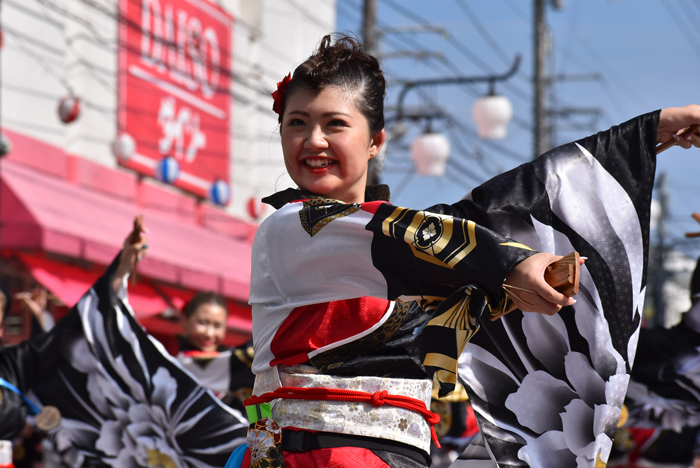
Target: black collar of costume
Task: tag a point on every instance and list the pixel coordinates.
(379, 192)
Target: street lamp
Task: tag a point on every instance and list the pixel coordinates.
(492, 113)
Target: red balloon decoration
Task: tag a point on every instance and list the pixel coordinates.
(68, 108)
(256, 208)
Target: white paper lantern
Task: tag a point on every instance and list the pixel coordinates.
(68, 108)
(430, 152)
(124, 147)
(492, 114)
(168, 170)
(220, 192)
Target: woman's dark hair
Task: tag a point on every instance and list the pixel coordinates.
(347, 65)
(201, 298)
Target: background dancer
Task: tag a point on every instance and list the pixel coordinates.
(224, 371)
(123, 400)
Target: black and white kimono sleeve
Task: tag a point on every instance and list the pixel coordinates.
(124, 400)
(548, 391)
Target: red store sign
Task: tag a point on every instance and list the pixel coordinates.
(174, 88)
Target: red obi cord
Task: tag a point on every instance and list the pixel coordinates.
(335, 394)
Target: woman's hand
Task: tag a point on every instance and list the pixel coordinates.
(35, 301)
(674, 120)
(530, 291)
(131, 253)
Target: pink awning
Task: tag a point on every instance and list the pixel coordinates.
(42, 212)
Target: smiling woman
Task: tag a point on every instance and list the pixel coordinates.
(327, 267)
(361, 309)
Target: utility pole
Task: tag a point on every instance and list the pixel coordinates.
(660, 253)
(369, 39)
(541, 136)
(369, 26)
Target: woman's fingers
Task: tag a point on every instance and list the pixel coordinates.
(693, 140)
(527, 287)
(673, 120)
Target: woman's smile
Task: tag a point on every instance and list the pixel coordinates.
(316, 163)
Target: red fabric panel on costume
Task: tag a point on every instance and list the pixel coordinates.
(372, 207)
(245, 463)
(314, 326)
(341, 457)
(472, 425)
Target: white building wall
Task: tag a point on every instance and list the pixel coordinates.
(54, 47)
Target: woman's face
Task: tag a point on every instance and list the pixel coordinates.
(206, 327)
(327, 144)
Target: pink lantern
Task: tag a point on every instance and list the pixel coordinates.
(68, 108)
(256, 208)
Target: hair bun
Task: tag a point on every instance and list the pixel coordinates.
(346, 64)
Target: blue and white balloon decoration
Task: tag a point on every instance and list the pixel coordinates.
(168, 170)
(220, 192)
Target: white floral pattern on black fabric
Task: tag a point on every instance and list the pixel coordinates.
(125, 401)
(548, 390)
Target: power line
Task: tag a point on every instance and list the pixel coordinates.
(459, 46)
(512, 155)
(112, 88)
(30, 12)
(691, 12)
(573, 27)
(597, 59)
(483, 32)
(121, 19)
(445, 63)
(511, 4)
(686, 33)
(309, 16)
(489, 171)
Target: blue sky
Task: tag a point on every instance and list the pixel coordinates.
(646, 51)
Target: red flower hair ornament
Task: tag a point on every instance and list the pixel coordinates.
(278, 96)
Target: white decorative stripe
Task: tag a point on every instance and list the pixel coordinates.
(194, 180)
(383, 422)
(144, 160)
(178, 92)
(212, 11)
(363, 333)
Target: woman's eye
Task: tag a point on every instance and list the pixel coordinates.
(296, 122)
(337, 123)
